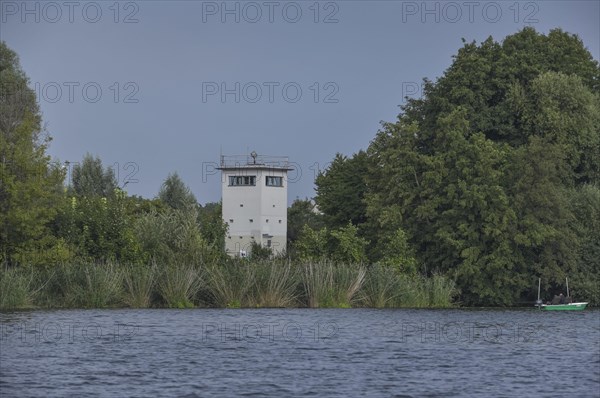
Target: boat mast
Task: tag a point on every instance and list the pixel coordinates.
(538, 303)
(567, 280)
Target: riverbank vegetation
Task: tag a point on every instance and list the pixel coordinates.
(236, 284)
(485, 183)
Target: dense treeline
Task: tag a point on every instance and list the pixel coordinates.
(47, 219)
(79, 240)
(487, 182)
(490, 178)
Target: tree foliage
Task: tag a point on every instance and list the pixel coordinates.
(175, 194)
(30, 184)
(90, 178)
(480, 172)
(341, 189)
(342, 245)
(302, 212)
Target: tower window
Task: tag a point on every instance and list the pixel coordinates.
(235, 181)
(279, 221)
(274, 181)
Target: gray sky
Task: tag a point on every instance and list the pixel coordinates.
(182, 81)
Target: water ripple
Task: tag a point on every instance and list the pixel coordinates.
(299, 352)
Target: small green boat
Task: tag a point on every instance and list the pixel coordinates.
(559, 307)
(564, 307)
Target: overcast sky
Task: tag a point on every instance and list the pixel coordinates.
(154, 87)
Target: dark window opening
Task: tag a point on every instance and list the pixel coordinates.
(274, 181)
(235, 181)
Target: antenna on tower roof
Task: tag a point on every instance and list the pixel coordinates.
(254, 155)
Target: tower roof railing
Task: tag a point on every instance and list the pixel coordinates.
(234, 161)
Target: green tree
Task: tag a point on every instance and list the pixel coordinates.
(346, 246)
(214, 229)
(341, 189)
(184, 232)
(342, 245)
(99, 228)
(452, 203)
(481, 78)
(562, 111)
(30, 184)
(90, 178)
(312, 244)
(302, 212)
(172, 237)
(176, 194)
(479, 171)
(585, 204)
(398, 253)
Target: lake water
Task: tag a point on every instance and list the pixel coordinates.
(299, 352)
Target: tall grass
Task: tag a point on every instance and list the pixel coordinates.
(442, 291)
(138, 285)
(381, 288)
(178, 286)
(275, 285)
(228, 285)
(386, 287)
(94, 285)
(14, 288)
(330, 285)
(413, 292)
(417, 291)
(317, 280)
(234, 284)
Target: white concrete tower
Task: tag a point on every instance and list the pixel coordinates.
(254, 202)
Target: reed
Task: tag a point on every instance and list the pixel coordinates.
(418, 291)
(347, 281)
(45, 288)
(93, 285)
(275, 285)
(317, 280)
(414, 292)
(228, 284)
(234, 284)
(178, 286)
(442, 291)
(329, 285)
(138, 285)
(381, 288)
(15, 288)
